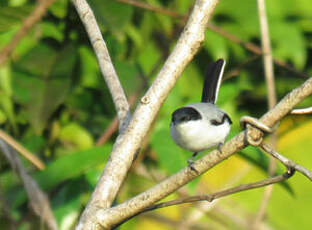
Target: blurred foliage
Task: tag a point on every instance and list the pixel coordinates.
(54, 101)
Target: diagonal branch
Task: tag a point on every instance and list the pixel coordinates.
(128, 143)
(112, 216)
(106, 66)
(216, 195)
(19, 148)
(287, 162)
(38, 200)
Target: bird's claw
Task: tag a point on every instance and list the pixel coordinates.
(191, 165)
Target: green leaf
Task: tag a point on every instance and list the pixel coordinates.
(7, 106)
(259, 159)
(66, 203)
(59, 8)
(148, 61)
(111, 15)
(90, 76)
(51, 30)
(216, 45)
(62, 169)
(289, 42)
(129, 77)
(6, 102)
(77, 135)
(3, 118)
(43, 81)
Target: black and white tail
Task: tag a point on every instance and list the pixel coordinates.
(212, 81)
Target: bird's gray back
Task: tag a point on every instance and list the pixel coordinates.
(207, 110)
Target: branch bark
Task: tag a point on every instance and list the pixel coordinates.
(112, 216)
(287, 162)
(38, 200)
(270, 83)
(23, 151)
(216, 195)
(106, 66)
(128, 143)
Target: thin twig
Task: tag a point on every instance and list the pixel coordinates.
(38, 200)
(302, 111)
(27, 24)
(23, 151)
(114, 215)
(106, 66)
(267, 54)
(216, 195)
(147, 6)
(239, 68)
(113, 126)
(287, 162)
(270, 83)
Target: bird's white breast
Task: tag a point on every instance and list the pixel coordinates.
(199, 135)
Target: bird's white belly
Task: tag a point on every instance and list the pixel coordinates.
(197, 135)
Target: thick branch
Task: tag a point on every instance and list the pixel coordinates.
(106, 66)
(129, 142)
(124, 210)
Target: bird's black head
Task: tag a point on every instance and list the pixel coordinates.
(185, 114)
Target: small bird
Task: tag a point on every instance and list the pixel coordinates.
(200, 126)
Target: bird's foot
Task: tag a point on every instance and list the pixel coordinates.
(190, 162)
(220, 147)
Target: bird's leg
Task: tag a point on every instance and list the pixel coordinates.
(220, 147)
(190, 162)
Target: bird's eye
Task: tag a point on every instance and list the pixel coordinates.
(214, 122)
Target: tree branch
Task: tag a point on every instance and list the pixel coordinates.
(302, 111)
(19, 148)
(38, 200)
(270, 84)
(287, 162)
(128, 143)
(216, 195)
(27, 24)
(114, 215)
(106, 66)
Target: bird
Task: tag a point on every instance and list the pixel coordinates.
(199, 126)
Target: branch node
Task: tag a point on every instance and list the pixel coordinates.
(145, 100)
(250, 123)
